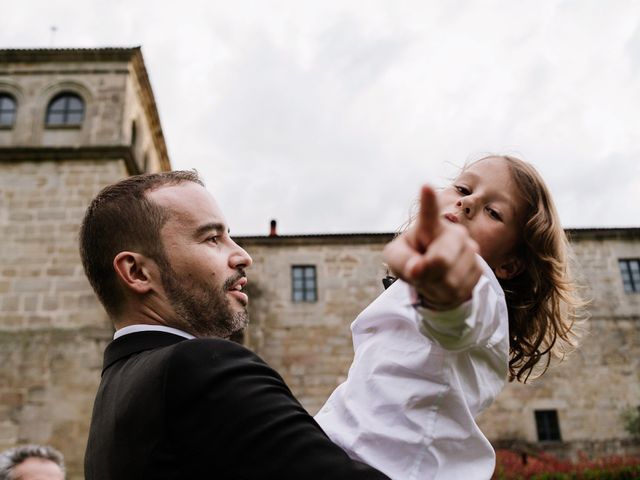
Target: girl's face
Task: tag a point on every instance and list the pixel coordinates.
(485, 199)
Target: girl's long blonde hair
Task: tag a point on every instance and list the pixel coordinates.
(543, 301)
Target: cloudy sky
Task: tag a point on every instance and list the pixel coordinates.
(328, 115)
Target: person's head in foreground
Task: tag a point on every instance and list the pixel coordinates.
(32, 462)
(156, 250)
(507, 209)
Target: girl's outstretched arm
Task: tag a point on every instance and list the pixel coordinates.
(436, 256)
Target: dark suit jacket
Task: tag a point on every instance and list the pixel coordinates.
(170, 408)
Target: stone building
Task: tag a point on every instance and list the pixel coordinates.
(71, 122)
(306, 290)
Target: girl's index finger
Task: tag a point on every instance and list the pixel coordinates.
(429, 223)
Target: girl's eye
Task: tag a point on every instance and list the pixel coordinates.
(462, 189)
(493, 214)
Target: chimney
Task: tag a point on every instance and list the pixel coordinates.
(272, 231)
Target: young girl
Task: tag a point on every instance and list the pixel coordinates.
(483, 293)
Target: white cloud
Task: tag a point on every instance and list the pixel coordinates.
(329, 115)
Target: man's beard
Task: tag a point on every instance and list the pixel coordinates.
(202, 310)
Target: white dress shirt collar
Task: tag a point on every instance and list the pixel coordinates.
(150, 328)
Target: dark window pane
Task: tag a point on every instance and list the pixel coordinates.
(58, 105)
(7, 118)
(547, 425)
(303, 283)
(7, 104)
(55, 118)
(630, 273)
(65, 109)
(8, 109)
(74, 103)
(74, 118)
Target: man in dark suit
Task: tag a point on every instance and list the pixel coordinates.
(177, 399)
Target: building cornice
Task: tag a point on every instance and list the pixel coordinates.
(315, 239)
(574, 234)
(41, 154)
(44, 55)
(608, 233)
(150, 108)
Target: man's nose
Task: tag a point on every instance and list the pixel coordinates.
(239, 258)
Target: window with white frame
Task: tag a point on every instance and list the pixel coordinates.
(65, 110)
(8, 110)
(303, 283)
(630, 271)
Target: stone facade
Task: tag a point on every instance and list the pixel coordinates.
(309, 343)
(594, 385)
(52, 329)
(120, 116)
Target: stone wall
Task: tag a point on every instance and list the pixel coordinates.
(52, 329)
(309, 343)
(593, 386)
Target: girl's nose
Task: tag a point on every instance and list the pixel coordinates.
(465, 205)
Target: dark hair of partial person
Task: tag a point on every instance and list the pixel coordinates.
(9, 459)
(122, 218)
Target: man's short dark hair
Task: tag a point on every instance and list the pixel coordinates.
(9, 459)
(122, 218)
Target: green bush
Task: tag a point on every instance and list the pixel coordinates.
(631, 418)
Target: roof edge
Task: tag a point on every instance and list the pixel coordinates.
(590, 232)
(150, 108)
(43, 55)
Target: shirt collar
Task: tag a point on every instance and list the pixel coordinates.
(150, 328)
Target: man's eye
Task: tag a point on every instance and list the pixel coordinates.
(213, 239)
(462, 189)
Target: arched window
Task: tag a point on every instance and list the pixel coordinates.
(65, 109)
(8, 108)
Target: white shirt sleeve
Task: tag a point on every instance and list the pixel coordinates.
(417, 382)
(471, 324)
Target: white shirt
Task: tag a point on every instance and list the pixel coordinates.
(417, 382)
(140, 327)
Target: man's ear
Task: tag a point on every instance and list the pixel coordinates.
(510, 268)
(133, 271)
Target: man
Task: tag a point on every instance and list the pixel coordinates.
(31, 462)
(178, 400)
